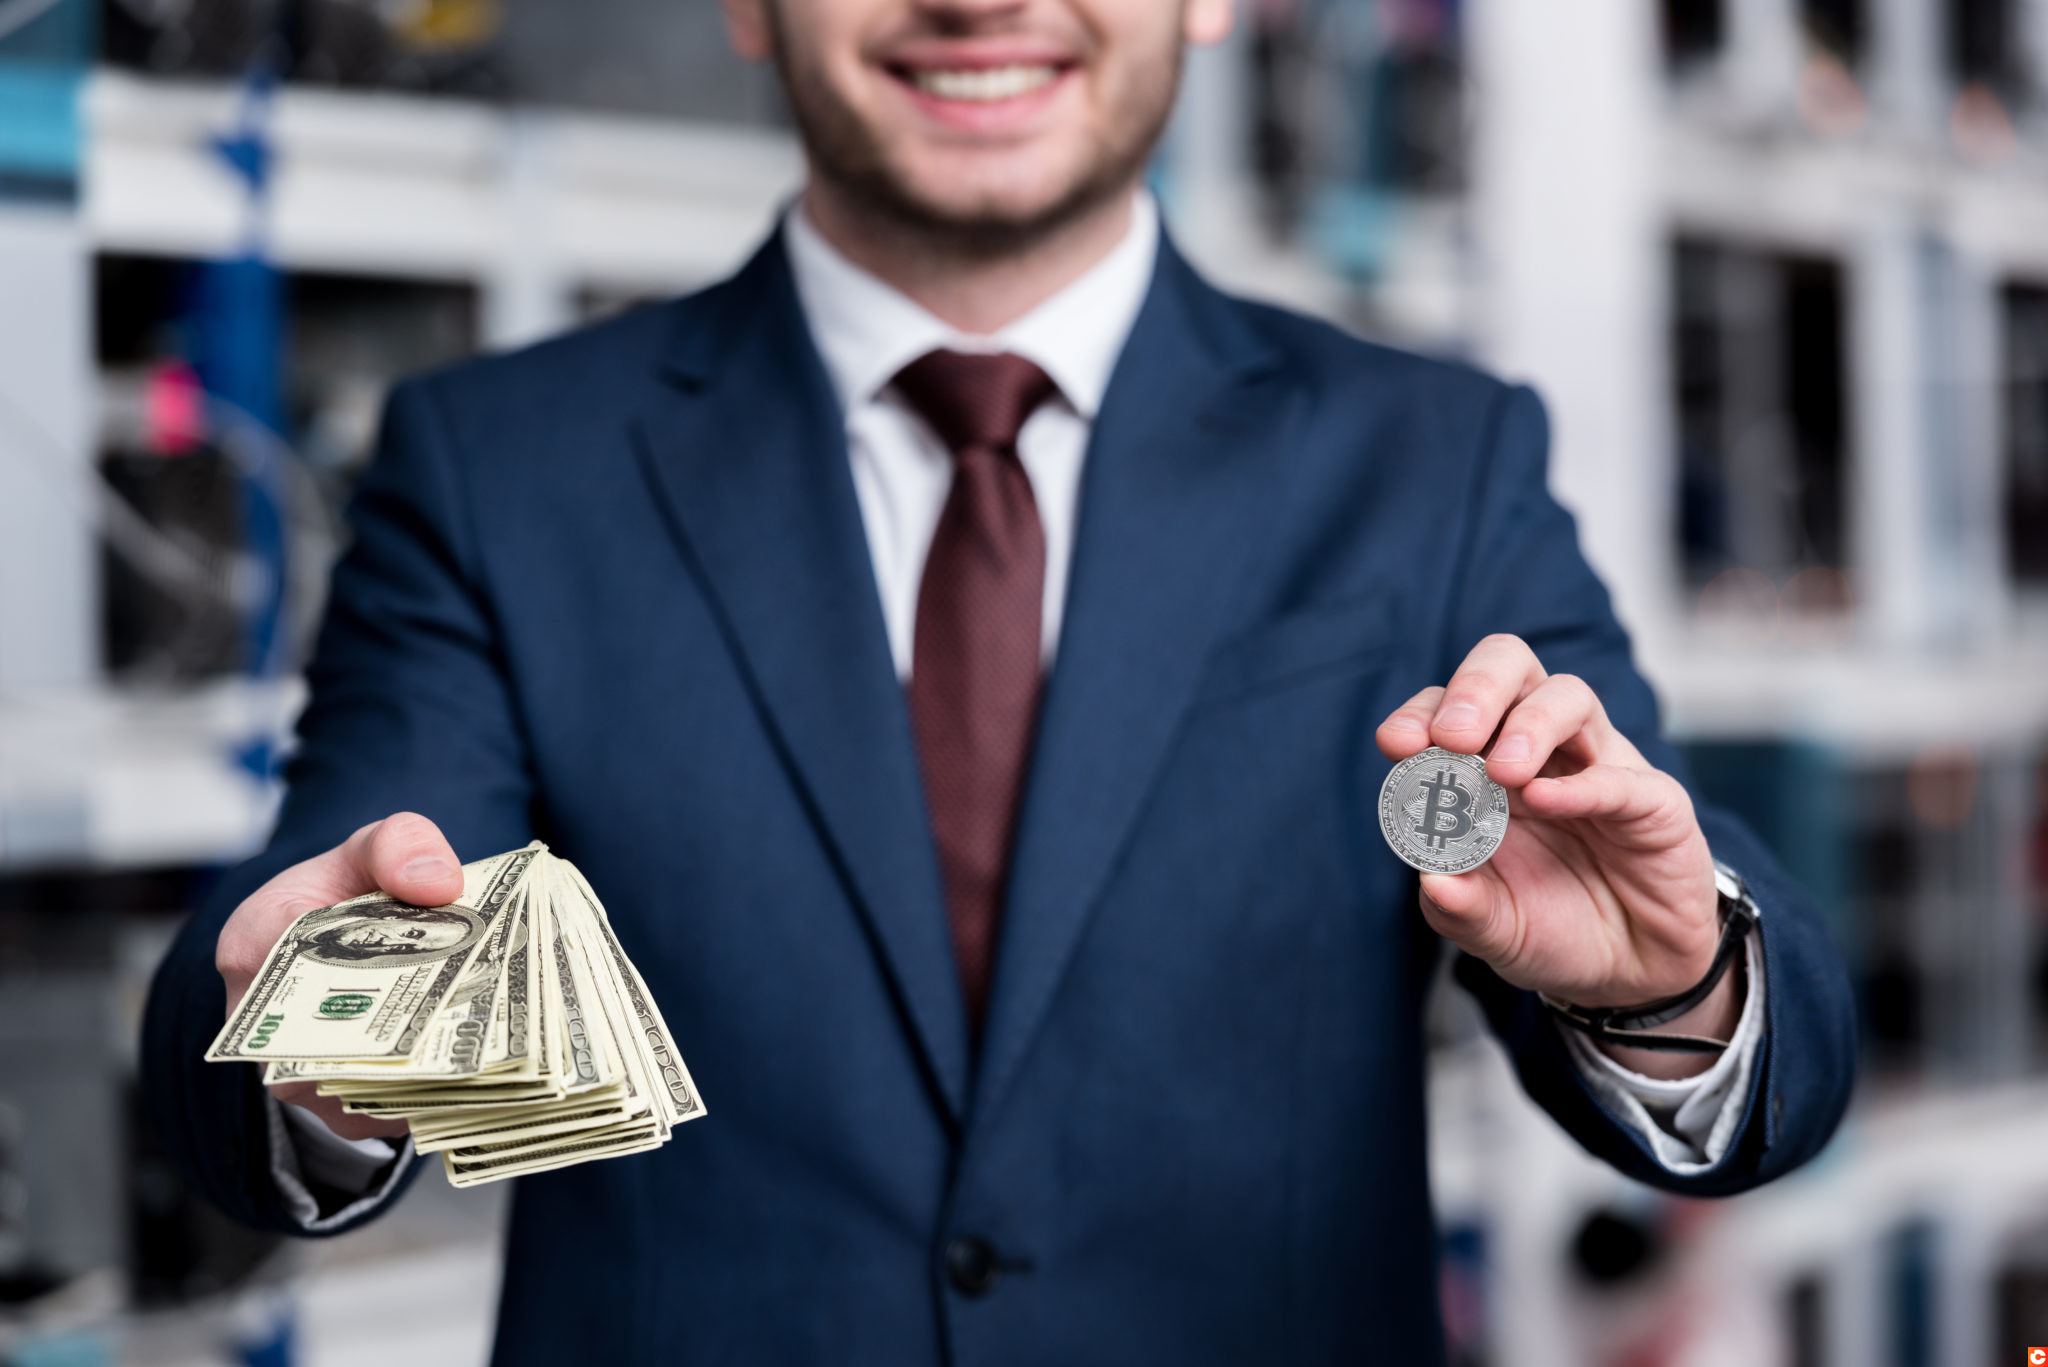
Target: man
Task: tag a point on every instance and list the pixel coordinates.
(964, 650)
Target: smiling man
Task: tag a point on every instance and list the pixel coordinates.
(965, 649)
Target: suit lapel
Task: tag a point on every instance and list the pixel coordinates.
(746, 453)
(1172, 494)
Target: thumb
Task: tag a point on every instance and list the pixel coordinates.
(406, 856)
(1468, 910)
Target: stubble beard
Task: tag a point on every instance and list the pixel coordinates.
(845, 156)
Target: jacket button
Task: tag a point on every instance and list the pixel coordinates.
(971, 1266)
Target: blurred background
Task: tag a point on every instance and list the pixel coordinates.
(1780, 268)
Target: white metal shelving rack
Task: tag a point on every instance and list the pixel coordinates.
(532, 208)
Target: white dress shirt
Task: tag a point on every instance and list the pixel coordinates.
(866, 331)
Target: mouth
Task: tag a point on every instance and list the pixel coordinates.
(981, 88)
(983, 85)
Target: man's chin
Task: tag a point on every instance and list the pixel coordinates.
(985, 210)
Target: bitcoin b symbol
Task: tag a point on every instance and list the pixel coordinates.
(1440, 812)
(1446, 811)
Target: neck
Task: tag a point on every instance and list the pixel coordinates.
(975, 291)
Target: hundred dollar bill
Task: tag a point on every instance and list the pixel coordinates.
(364, 980)
(509, 1030)
(470, 1033)
(675, 1087)
(472, 1172)
(586, 1065)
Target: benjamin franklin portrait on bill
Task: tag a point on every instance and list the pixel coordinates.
(380, 933)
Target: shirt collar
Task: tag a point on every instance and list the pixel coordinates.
(866, 329)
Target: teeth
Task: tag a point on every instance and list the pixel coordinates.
(983, 83)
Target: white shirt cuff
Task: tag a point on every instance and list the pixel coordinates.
(1687, 1122)
(302, 1147)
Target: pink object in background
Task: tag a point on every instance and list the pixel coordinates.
(173, 409)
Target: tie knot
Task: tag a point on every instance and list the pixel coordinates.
(974, 400)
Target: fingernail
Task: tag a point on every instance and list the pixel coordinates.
(427, 866)
(1459, 716)
(1406, 722)
(1512, 749)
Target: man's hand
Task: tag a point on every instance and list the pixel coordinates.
(1602, 892)
(404, 855)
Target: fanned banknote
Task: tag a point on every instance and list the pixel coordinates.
(508, 1028)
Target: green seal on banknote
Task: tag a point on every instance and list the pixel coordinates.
(346, 1005)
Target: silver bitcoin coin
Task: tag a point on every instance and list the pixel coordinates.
(1441, 813)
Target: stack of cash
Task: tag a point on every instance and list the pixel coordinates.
(507, 1028)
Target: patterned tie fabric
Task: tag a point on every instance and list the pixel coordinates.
(974, 677)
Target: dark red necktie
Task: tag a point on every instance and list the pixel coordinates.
(974, 674)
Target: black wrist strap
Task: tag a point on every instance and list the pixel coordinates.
(1635, 1027)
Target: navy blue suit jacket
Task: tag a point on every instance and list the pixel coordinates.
(614, 592)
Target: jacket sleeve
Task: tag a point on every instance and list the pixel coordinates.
(410, 710)
(1523, 573)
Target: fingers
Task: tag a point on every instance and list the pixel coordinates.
(1501, 689)
(1611, 793)
(306, 1096)
(1561, 713)
(1406, 731)
(1498, 673)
